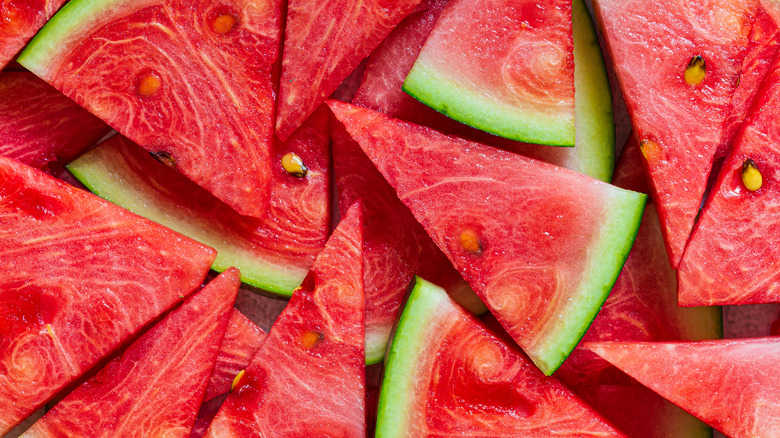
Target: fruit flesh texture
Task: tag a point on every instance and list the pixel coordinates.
(274, 253)
(665, 110)
(172, 361)
(20, 20)
(178, 89)
(80, 276)
(519, 79)
(447, 375)
(308, 377)
(530, 287)
(40, 125)
(324, 42)
(729, 384)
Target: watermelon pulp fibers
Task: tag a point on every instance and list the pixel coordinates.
(20, 20)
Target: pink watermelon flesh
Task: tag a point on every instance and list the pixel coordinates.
(308, 377)
(154, 388)
(208, 410)
(726, 259)
(679, 126)
(324, 42)
(80, 276)
(527, 258)
(629, 171)
(39, 125)
(200, 118)
(729, 384)
(19, 20)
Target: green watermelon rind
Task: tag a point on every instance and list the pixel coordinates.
(109, 180)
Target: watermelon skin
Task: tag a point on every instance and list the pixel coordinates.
(681, 125)
(20, 20)
(324, 42)
(217, 134)
(39, 125)
(64, 252)
(729, 384)
(447, 375)
(453, 186)
(273, 253)
(179, 352)
(308, 378)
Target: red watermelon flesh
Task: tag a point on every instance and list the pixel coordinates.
(726, 259)
(629, 171)
(775, 328)
(191, 81)
(154, 388)
(679, 126)
(308, 377)
(39, 125)
(208, 410)
(729, 384)
(325, 40)
(80, 276)
(19, 20)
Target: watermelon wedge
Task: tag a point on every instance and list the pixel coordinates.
(729, 384)
(325, 41)
(506, 67)
(679, 102)
(19, 20)
(79, 277)
(629, 171)
(447, 375)
(540, 245)
(39, 125)
(274, 253)
(190, 81)
(179, 352)
(308, 377)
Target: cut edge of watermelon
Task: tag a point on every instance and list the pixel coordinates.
(435, 89)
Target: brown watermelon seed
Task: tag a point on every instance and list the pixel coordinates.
(293, 164)
(311, 338)
(149, 84)
(470, 241)
(237, 381)
(165, 158)
(223, 23)
(751, 176)
(696, 71)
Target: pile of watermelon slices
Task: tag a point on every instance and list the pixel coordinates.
(245, 218)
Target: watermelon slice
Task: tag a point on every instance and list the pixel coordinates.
(679, 122)
(541, 245)
(133, 395)
(273, 253)
(324, 42)
(39, 125)
(80, 276)
(308, 377)
(629, 171)
(729, 384)
(447, 375)
(190, 81)
(19, 20)
(506, 67)
(595, 129)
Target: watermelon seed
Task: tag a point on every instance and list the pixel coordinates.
(649, 149)
(470, 242)
(223, 23)
(237, 381)
(149, 84)
(696, 71)
(165, 158)
(293, 164)
(51, 332)
(311, 338)
(751, 176)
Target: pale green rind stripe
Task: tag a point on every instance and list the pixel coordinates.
(376, 344)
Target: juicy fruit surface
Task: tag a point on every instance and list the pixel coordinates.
(519, 81)
(39, 125)
(308, 378)
(179, 352)
(534, 269)
(729, 384)
(449, 376)
(178, 88)
(80, 276)
(273, 253)
(19, 20)
(324, 42)
(680, 126)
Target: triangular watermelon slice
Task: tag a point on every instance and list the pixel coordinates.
(325, 41)
(39, 125)
(447, 375)
(308, 378)
(678, 64)
(503, 66)
(729, 384)
(19, 20)
(541, 245)
(79, 276)
(190, 81)
(154, 388)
